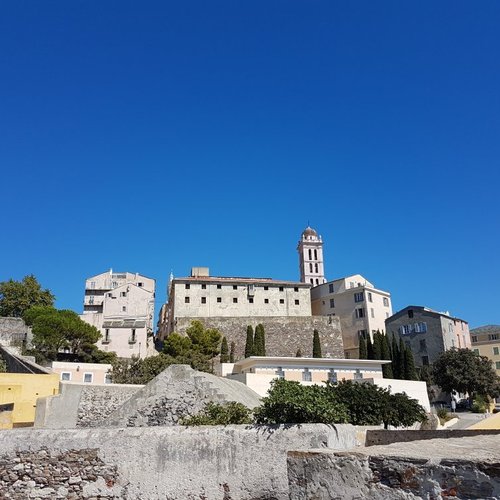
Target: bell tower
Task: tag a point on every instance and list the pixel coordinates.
(310, 250)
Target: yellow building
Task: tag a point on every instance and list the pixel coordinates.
(18, 396)
(485, 341)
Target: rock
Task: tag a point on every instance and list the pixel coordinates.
(74, 480)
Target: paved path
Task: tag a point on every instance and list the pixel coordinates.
(466, 419)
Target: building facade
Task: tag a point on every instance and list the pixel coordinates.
(485, 341)
(86, 373)
(428, 333)
(361, 308)
(203, 296)
(310, 249)
(121, 307)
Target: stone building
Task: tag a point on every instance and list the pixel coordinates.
(361, 308)
(310, 249)
(121, 306)
(428, 333)
(485, 341)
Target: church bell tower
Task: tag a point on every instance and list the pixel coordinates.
(310, 250)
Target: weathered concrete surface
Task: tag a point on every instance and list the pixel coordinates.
(284, 334)
(81, 405)
(234, 462)
(20, 364)
(376, 437)
(462, 468)
(177, 392)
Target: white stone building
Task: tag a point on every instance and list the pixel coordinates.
(203, 296)
(361, 308)
(310, 249)
(121, 306)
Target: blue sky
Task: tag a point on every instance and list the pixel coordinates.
(156, 136)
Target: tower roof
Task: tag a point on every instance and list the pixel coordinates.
(309, 231)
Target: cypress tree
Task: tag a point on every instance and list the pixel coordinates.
(402, 359)
(231, 352)
(410, 371)
(224, 351)
(377, 345)
(386, 369)
(259, 341)
(396, 358)
(298, 354)
(249, 342)
(363, 351)
(316, 345)
(369, 348)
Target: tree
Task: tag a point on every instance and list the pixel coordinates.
(316, 345)
(231, 352)
(396, 358)
(197, 349)
(377, 345)
(249, 342)
(139, 370)
(289, 402)
(3, 365)
(298, 354)
(369, 348)
(63, 330)
(410, 372)
(386, 355)
(363, 352)
(259, 341)
(465, 371)
(402, 359)
(16, 297)
(224, 351)
(220, 414)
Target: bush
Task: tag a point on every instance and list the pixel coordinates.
(480, 404)
(292, 403)
(220, 414)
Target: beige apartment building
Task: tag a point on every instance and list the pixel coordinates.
(121, 307)
(86, 373)
(361, 308)
(485, 341)
(203, 296)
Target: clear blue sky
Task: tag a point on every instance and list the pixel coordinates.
(156, 136)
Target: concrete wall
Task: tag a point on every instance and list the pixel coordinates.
(284, 335)
(233, 462)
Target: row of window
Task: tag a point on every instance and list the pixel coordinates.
(131, 340)
(307, 375)
(187, 300)
(315, 268)
(420, 327)
(88, 377)
(187, 286)
(311, 254)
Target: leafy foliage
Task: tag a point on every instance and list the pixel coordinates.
(220, 414)
(140, 371)
(249, 342)
(16, 297)
(3, 365)
(316, 345)
(259, 341)
(292, 402)
(465, 371)
(55, 330)
(197, 349)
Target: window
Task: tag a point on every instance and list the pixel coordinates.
(124, 308)
(219, 287)
(312, 281)
(423, 345)
(123, 294)
(359, 297)
(310, 267)
(410, 313)
(109, 295)
(186, 300)
(282, 301)
(266, 301)
(92, 284)
(310, 254)
(315, 254)
(219, 299)
(332, 376)
(405, 329)
(360, 313)
(187, 286)
(351, 284)
(203, 286)
(330, 288)
(358, 375)
(317, 281)
(372, 312)
(361, 333)
(280, 373)
(235, 300)
(66, 376)
(266, 288)
(91, 299)
(107, 378)
(88, 377)
(114, 284)
(495, 351)
(306, 375)
(315, 268)
(203, 300)
(493, 336)
(281, 288)
(235, 287)
(250, 300)
(420, 327)
(106, 335)
(140, 284)
(497, 365)
(370, 298)
(296, 289)
(425, 360)
(386, 302)
(332, 303)
(133, 337)
(297, 302)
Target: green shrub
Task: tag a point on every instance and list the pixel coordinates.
(220, 414)
(442, 413)
(292, 403)
(479, 405)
